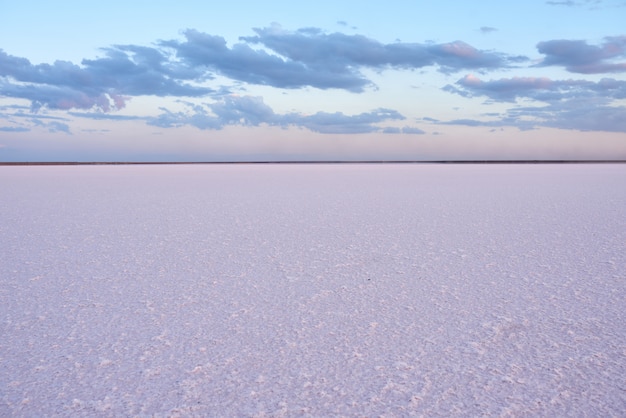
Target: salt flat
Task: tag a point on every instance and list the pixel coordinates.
(313, 290)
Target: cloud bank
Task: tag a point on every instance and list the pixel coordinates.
(190, 67)
(566, 104)
(175, 68)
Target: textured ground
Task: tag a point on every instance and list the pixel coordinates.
(320, 290)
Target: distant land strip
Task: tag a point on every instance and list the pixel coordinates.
(314, 162)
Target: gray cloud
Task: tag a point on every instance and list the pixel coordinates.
(571, 3)
(311, 57)
(584, 118)
(502, 122)
(339, 123)
(21, 114)
(13, 129)
(243, 63)
(252, 111)
(570, 104)
(579, 57)
(589, 4)
(105, 116)
(487, 29)
(339, 53)
(20, 121)
(308, 57)
(409, 130)
(412, 131)
(102, 83)
(560, 116)
(539, 88)
(53, 126)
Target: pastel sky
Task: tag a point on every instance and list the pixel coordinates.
(322, 80)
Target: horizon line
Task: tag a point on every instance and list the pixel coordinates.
(525, 161)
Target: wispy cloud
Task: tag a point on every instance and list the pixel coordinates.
(572, 3)
(13, 129)
(589, 4)
(253, 111)
(412, 131)
(53, 126)
(488, 29)
(539, 88)
(105, 116)
(601, 119)
(339, 123)
(21, 121)
(567, 104)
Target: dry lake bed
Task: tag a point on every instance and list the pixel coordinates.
(313, 290)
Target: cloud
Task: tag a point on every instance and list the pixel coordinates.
(252, 111)
(54, 96)
(412, 131)
(339, 123)
(13, 129)
(571, 3)
(590, 4)
(53, 126)
(487, 29)
(312, 58)
(103, 83)
(539, 88)
(41, 116)
(25, 122)
(243, 110)
(59, 127)
(582, 118)
(105, 116)
(569, 104)
(409, 130)
(572, 114)
(501, 122)
(579, 57)
(242, 63)
(307, 57)
(338, 53)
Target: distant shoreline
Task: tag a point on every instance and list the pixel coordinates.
(29, 163)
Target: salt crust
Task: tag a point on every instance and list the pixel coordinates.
(313, 290)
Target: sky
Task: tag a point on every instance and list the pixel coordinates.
(325, 80)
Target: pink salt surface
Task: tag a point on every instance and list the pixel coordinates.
(313, 290)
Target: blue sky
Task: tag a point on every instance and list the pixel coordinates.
(340, 80)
